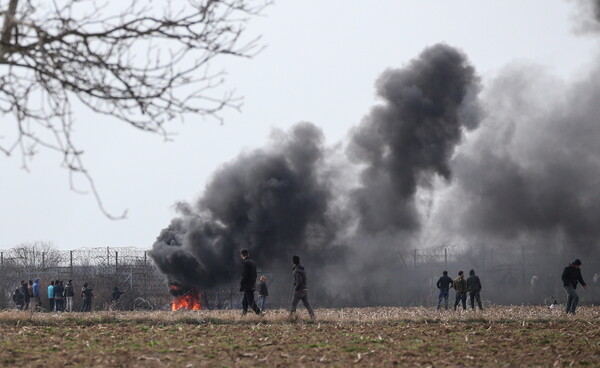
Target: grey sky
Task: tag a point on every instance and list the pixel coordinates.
(320, 64)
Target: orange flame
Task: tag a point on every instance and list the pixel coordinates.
(188, 301)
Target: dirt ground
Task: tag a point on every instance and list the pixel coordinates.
(498, 337)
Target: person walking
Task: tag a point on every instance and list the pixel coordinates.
(87, 295)
(51, 297)
(59, 290)
(69, 293)
(570, 277)
(444, 284)
(460, 285)
(474, 288)
(248, 283)
(263, 292)
(300, 288)
(25, 291)
(35, 289)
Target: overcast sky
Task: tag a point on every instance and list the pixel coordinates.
(321, 61)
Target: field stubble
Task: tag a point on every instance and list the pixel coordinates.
(497, 337)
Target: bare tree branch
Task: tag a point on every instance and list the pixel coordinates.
(142, 63)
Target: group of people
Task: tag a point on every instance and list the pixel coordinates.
(248, 286)
(471, 285)
(571, 277)
(60, 296)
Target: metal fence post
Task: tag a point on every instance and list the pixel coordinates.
(446, 257)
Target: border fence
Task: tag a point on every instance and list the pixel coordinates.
(517, 274)
(128, 268)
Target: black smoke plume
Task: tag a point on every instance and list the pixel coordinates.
(280, 200)
(272, 201)
(532, 172)
(411, 137)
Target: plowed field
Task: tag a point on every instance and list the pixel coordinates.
(498, 337)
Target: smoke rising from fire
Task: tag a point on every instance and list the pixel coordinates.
(412, 135)
(526, 170)
(282, 199)
(273, 201)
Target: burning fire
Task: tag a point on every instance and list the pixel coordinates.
(185, 299)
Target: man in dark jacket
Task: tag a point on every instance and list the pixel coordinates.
(300, 288)
(26, 298)
(474, 288)
(570, 277)
(444, 284)
(248, 282)
(59, 291)
(460, 285)
(87, 295)
(18, 298)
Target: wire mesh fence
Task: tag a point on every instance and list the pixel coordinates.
(517, 274)
(128, 268)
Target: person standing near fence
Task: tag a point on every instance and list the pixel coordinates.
(87, 295)
(571, 276)
(59, 290)
(25, 292)
(460, 285)
(51, 297)
(116, 298)
(444, 284)
(18, 298)
(300, 288)
(263, 292)
(35, 289)
(474, 288)
(69, 293)
(30, 293)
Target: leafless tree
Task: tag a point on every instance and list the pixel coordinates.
(143, 62)
(35, 255)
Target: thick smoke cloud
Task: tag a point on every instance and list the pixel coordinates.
(281, 200)
(532, 171)
(588, 15)
(411, 137)
(272, 201)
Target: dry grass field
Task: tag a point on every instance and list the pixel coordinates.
(406, 337)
